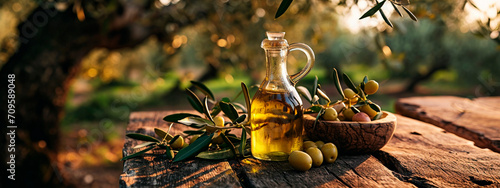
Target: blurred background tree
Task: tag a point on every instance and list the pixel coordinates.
(88, 64)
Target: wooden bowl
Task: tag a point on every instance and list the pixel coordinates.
(352, 137)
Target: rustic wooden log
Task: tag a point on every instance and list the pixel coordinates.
(477, 119)
(428, 156)
(352, 137)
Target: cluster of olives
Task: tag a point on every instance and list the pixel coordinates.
(344, 110)
(219, 122)
(313, 154)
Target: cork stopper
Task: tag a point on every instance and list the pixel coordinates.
(274, 41)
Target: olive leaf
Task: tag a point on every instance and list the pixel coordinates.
(377, 109)
(396, 8)
(349, 83)
(243, 142)
(216, 155)
(413, 17)
(365, 79)
(204, 89)
(228, 142)
(195, 122)
(232, 137)
(282, 8)
(314, 109)
(174, 118)
(194, 101)
(323, 95)
(240, 106)
(337, 83)
(240, 119)
(144, 145)
(142, 137)
(191, 132)
(373, 10)
(225, 99)
(315, 86)
(362, 90)
(229, 110)
(244, 88)
(167, 151)
(206, 111)
(321, 111)
(304, 93)
(193, 149)
(387, 21)
(138, 153)
(162, 134)
(355, 110)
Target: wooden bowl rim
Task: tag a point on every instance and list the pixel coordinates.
(386, 117)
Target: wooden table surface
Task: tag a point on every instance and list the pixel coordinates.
(447, 142)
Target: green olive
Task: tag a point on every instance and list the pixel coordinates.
(219, 122)
(330, 114)
(300, 160)
(349, 93)
(319, 143)
(361, 117)
(308, 144)
(348, 113)
(316, 156)
(371, 87)
(178, 143)
(194, 138)
(330, 152)
(368, 110)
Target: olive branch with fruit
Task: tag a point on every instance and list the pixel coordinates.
(211, 138)
(354, 105)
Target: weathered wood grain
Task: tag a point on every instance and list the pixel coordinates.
(477, 119)
(428, 156)
(347, 171)
(154, 169)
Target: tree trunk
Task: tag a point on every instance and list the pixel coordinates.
(52, 47)
(44, 65)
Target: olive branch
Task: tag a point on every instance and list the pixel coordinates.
(320, 101)
(377, 8)
(213, 141)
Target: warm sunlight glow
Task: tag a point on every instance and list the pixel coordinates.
(350, 17)
(92, 72)
(488, 9)
(222, 43)
(387, 51)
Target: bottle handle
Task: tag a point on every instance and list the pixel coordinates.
(310, 60)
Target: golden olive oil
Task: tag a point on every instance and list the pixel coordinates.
(276, 119)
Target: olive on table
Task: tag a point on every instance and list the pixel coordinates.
(300, 160)
(308, 144)
(330, 153)
(316, 156)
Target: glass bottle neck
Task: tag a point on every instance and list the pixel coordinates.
(277, 77)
